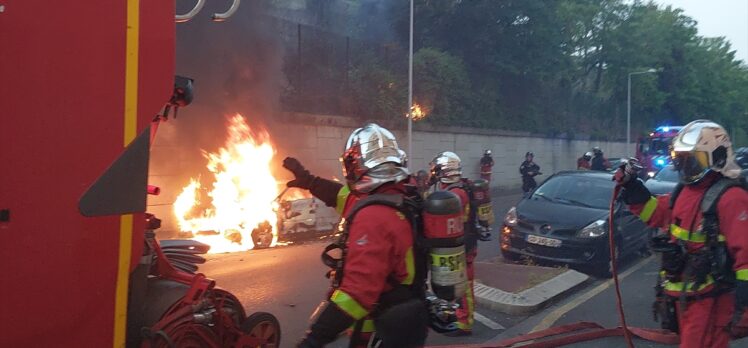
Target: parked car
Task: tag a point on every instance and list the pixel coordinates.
(664, 181)
(305, 217)
(565, 220)
(615, 162)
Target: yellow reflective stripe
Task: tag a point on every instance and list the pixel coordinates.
(683, 234)
(368, 326)
(696, 237)
(678, 286)
(649, 209)
(410, 267)
(741, 274)
(342, 198)
(348, 304)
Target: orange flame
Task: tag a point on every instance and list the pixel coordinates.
(241, 195)
(417, 113)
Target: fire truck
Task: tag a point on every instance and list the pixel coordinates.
(84, 86)
(653, 150)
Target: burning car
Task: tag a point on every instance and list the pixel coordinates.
(305, 217)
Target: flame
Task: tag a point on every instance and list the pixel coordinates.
(417, 113)
(241, 194)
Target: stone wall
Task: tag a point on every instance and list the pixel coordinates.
(318, 142)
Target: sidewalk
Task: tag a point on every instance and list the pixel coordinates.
(521, 289)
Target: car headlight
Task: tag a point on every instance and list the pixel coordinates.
(651, 174)
(511, 217)
(595, 229)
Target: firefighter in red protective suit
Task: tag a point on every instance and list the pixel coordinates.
(704, 278)
(379, 279)
(446, 172)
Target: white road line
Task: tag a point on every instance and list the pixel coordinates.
(552, 317)
(488, 322)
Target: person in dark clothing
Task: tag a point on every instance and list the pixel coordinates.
(529, 170)
(486, 166)
(599, 162)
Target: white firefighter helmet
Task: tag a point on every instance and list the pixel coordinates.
(372, 158)
(703, 146)
(446, 167)
(588, 155)
(487, 153)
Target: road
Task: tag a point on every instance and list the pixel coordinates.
(289, 282)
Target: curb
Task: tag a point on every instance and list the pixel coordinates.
(531, 299)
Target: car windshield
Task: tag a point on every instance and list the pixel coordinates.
(667, 174)
(583, 191)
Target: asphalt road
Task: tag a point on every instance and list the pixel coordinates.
(289, 282)
(596, 302)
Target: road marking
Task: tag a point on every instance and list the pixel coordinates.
(552, 317)
(488, 322)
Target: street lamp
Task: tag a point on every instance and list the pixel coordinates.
(628, 107)
(410, 86)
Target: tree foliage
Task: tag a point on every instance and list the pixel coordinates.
(554, 66)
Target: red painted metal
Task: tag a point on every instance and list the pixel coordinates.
(62, 106)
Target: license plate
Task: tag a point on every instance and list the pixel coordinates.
(549, 242)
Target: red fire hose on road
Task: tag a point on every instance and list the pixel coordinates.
(587, 331)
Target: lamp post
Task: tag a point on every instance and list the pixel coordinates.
(410, 86)
(628, 107)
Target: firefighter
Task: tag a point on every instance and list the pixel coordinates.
(529, 170)
(583, 163)
(486, 166)
(446, 171)
(599, 162)
(376, 281)
(704, 278)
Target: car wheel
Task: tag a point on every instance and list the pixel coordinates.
(509, 256)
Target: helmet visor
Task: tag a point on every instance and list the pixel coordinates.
(691, 165)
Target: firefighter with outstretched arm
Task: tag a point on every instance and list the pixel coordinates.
(376, 283)
(704, 278)
(446, 173)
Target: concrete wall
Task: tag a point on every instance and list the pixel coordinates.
(318, 142)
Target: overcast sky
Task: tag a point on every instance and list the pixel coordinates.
(728, 18)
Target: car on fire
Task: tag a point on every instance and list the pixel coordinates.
(300, 218)
(565, 220)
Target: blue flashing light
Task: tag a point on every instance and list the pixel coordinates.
(666, 129)
(660, 162)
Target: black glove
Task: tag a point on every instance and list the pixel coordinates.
(303, 179)
(330, 323)
(309, 342)
(627, 172)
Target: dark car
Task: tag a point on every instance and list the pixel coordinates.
(565, 220)
(663, 182)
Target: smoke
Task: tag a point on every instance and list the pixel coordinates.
(236, 65)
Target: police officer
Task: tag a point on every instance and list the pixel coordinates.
(446, 169)
(529, 171)
(705, 253)
(376, 292)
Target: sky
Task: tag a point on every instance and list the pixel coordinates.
(728, 18)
